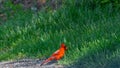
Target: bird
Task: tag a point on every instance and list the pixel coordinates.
(57, 55)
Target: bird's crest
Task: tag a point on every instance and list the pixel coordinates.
(63, 46)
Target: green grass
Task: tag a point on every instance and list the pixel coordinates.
(92, 36)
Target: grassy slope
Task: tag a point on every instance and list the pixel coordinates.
(92, 36)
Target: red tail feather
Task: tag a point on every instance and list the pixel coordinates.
(47, 60)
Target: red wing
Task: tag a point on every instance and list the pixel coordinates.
(56, 53)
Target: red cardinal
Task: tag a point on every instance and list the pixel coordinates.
(56, 55)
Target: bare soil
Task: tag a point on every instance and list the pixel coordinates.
(29, 63)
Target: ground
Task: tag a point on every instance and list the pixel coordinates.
(28, 63)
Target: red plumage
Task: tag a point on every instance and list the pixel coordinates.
(57, 55)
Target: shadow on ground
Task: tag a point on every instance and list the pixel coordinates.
(98, 61)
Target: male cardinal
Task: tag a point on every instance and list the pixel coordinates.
(56, 55)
